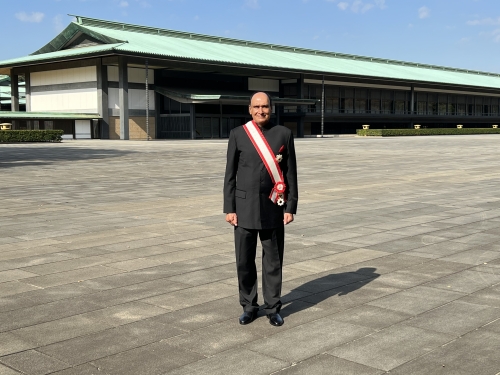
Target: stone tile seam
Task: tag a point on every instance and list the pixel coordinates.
(39, 352)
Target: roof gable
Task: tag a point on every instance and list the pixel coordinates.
(76, 35)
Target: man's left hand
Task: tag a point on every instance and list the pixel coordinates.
(288, 218)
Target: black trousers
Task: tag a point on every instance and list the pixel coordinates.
(273, 243)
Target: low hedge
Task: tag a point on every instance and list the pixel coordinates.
(430, 131)
(31, 135)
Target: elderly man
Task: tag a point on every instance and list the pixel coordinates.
(260, 197)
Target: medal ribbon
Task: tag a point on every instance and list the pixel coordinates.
(269, 160)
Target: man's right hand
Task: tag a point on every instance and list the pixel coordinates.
(232, 219)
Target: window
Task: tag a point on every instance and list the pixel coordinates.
(461, 105)
(421, 103)
(361, 101)
(432, 105)
(400, 102)
(442, 104)
(479, 106)
(375, 101)
(347, 100)
(387, 101)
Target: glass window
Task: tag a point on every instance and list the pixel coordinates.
(185, 108)
(478, 104)
(290, 91)
(361, 101)
(347, 100)
(387, 101)
(470, 105)
(432, 106)
(442, 104)
(207, 129)
(374, 101)
(461, 105)
(494, 107)
(199, 127)
(421, 98)
(400, 102)
(451, 108)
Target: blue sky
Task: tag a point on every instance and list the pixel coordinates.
(457, 33)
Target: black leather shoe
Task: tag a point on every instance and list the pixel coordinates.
(275, 319)
(247, 317)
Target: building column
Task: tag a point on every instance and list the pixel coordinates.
(14, 92)
(123, 97)
(27, 85)
(300, 95)
(192, 121)
(412, 104)
(102, 98)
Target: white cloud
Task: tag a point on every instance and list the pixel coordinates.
(57, 21)
(33, 17)
(496, 35)
(254, 4)
(484, 21)
(359, 6)
(424, 12)
(123, 4)
(343, 5)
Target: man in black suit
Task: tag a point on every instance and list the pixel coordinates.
(252, 209)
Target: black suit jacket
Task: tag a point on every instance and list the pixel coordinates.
(247, 184)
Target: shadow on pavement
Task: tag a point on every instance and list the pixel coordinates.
(335, 284)
(11, 157)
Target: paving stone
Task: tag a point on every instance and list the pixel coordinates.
(416, 300)
(455, 318)
(467, 355)
(43, 313)
(13, 344)
(156, 358)
(172, 247)
(391, 347)
(33, 362)
(370, 316)
(98, 345)
(487, 296)
(215, 338)
(71, 276)
(230, 362)
(333, 333)
(192, 296)
(325, 364)
(474, 256)
(466, 281)
(4, 370)
(85, 369)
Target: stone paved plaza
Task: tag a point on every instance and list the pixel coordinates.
(115, 259)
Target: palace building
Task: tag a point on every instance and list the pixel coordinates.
(111, 80)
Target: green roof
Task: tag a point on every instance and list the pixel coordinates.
(48, 116)
(121, 38)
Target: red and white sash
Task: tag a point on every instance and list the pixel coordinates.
(269, 159)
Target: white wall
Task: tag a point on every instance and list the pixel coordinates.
(77, 101)
(136, 99)
(60, 76)
(68, 100)
(135, 75)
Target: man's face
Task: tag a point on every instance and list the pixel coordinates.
(259, 109)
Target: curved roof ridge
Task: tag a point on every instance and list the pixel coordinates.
(94, 22)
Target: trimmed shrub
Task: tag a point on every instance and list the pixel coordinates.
(431, 131)
(31, 135)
